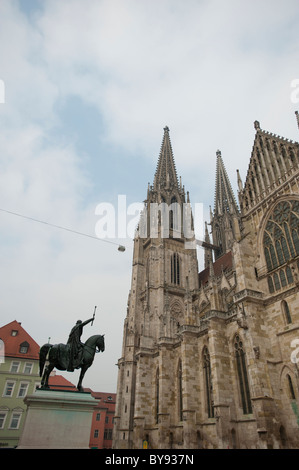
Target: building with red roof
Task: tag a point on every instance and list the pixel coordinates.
(19, 376)
(102, 420)
(18, 343)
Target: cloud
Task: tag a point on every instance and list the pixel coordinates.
(194, 68)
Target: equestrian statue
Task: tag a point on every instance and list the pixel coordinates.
(70, 356)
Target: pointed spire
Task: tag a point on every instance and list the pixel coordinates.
(166, 175)
(208, 252)
(297, 117)
(224, 196)
(240, 184)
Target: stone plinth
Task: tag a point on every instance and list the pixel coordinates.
(57, 420)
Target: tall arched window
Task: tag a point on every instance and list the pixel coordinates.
(291, 388)
(242, 375)
(208, 382)
(286, 312)
(180, 390)
(281, 237)
(175, 269)
(174, 214)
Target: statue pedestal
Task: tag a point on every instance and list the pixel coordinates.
(57, 420)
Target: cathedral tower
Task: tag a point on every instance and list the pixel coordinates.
(164, 278)
(208, 358)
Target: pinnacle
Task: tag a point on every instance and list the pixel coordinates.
(224, 196)
(166, 174)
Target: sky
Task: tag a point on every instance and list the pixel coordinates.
(87, 88)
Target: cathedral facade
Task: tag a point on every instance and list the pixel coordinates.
(209, 358)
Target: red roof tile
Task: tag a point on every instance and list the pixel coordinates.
(221, 264)
(58, 382)
(13, 335)
(103, 396)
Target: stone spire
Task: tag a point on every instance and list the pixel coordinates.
(225, 221)
(224, 196)
(166, 176)
(208, 256)
(297, 117)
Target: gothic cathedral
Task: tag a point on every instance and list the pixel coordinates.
(209, 358)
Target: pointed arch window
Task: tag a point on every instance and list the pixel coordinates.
(242, 375)
(281, 241)
(289, 275)
(175, 269)
(208, 382)
(270, 285)
(174, 212)
(286, 312)
(291, 388)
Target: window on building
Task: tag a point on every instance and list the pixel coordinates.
(23, 389)
(14, 368)
(175, 269)
(208, 382)
(98, 416)
(291, 388)
(28, 368)
(96, 433)
(286, 312)
(174, 215)
(242, 375)
(3, 415)
(270, 285)
(14, 332)
(15, 420)
(8, 389)
(289, 275)
(281, 237)
(24, 347)
(107, 419)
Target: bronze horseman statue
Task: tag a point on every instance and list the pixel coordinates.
(70, 356)
(76, 347)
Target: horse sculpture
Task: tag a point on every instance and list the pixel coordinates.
(58, 356)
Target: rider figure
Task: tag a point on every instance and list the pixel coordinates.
(75, 343)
